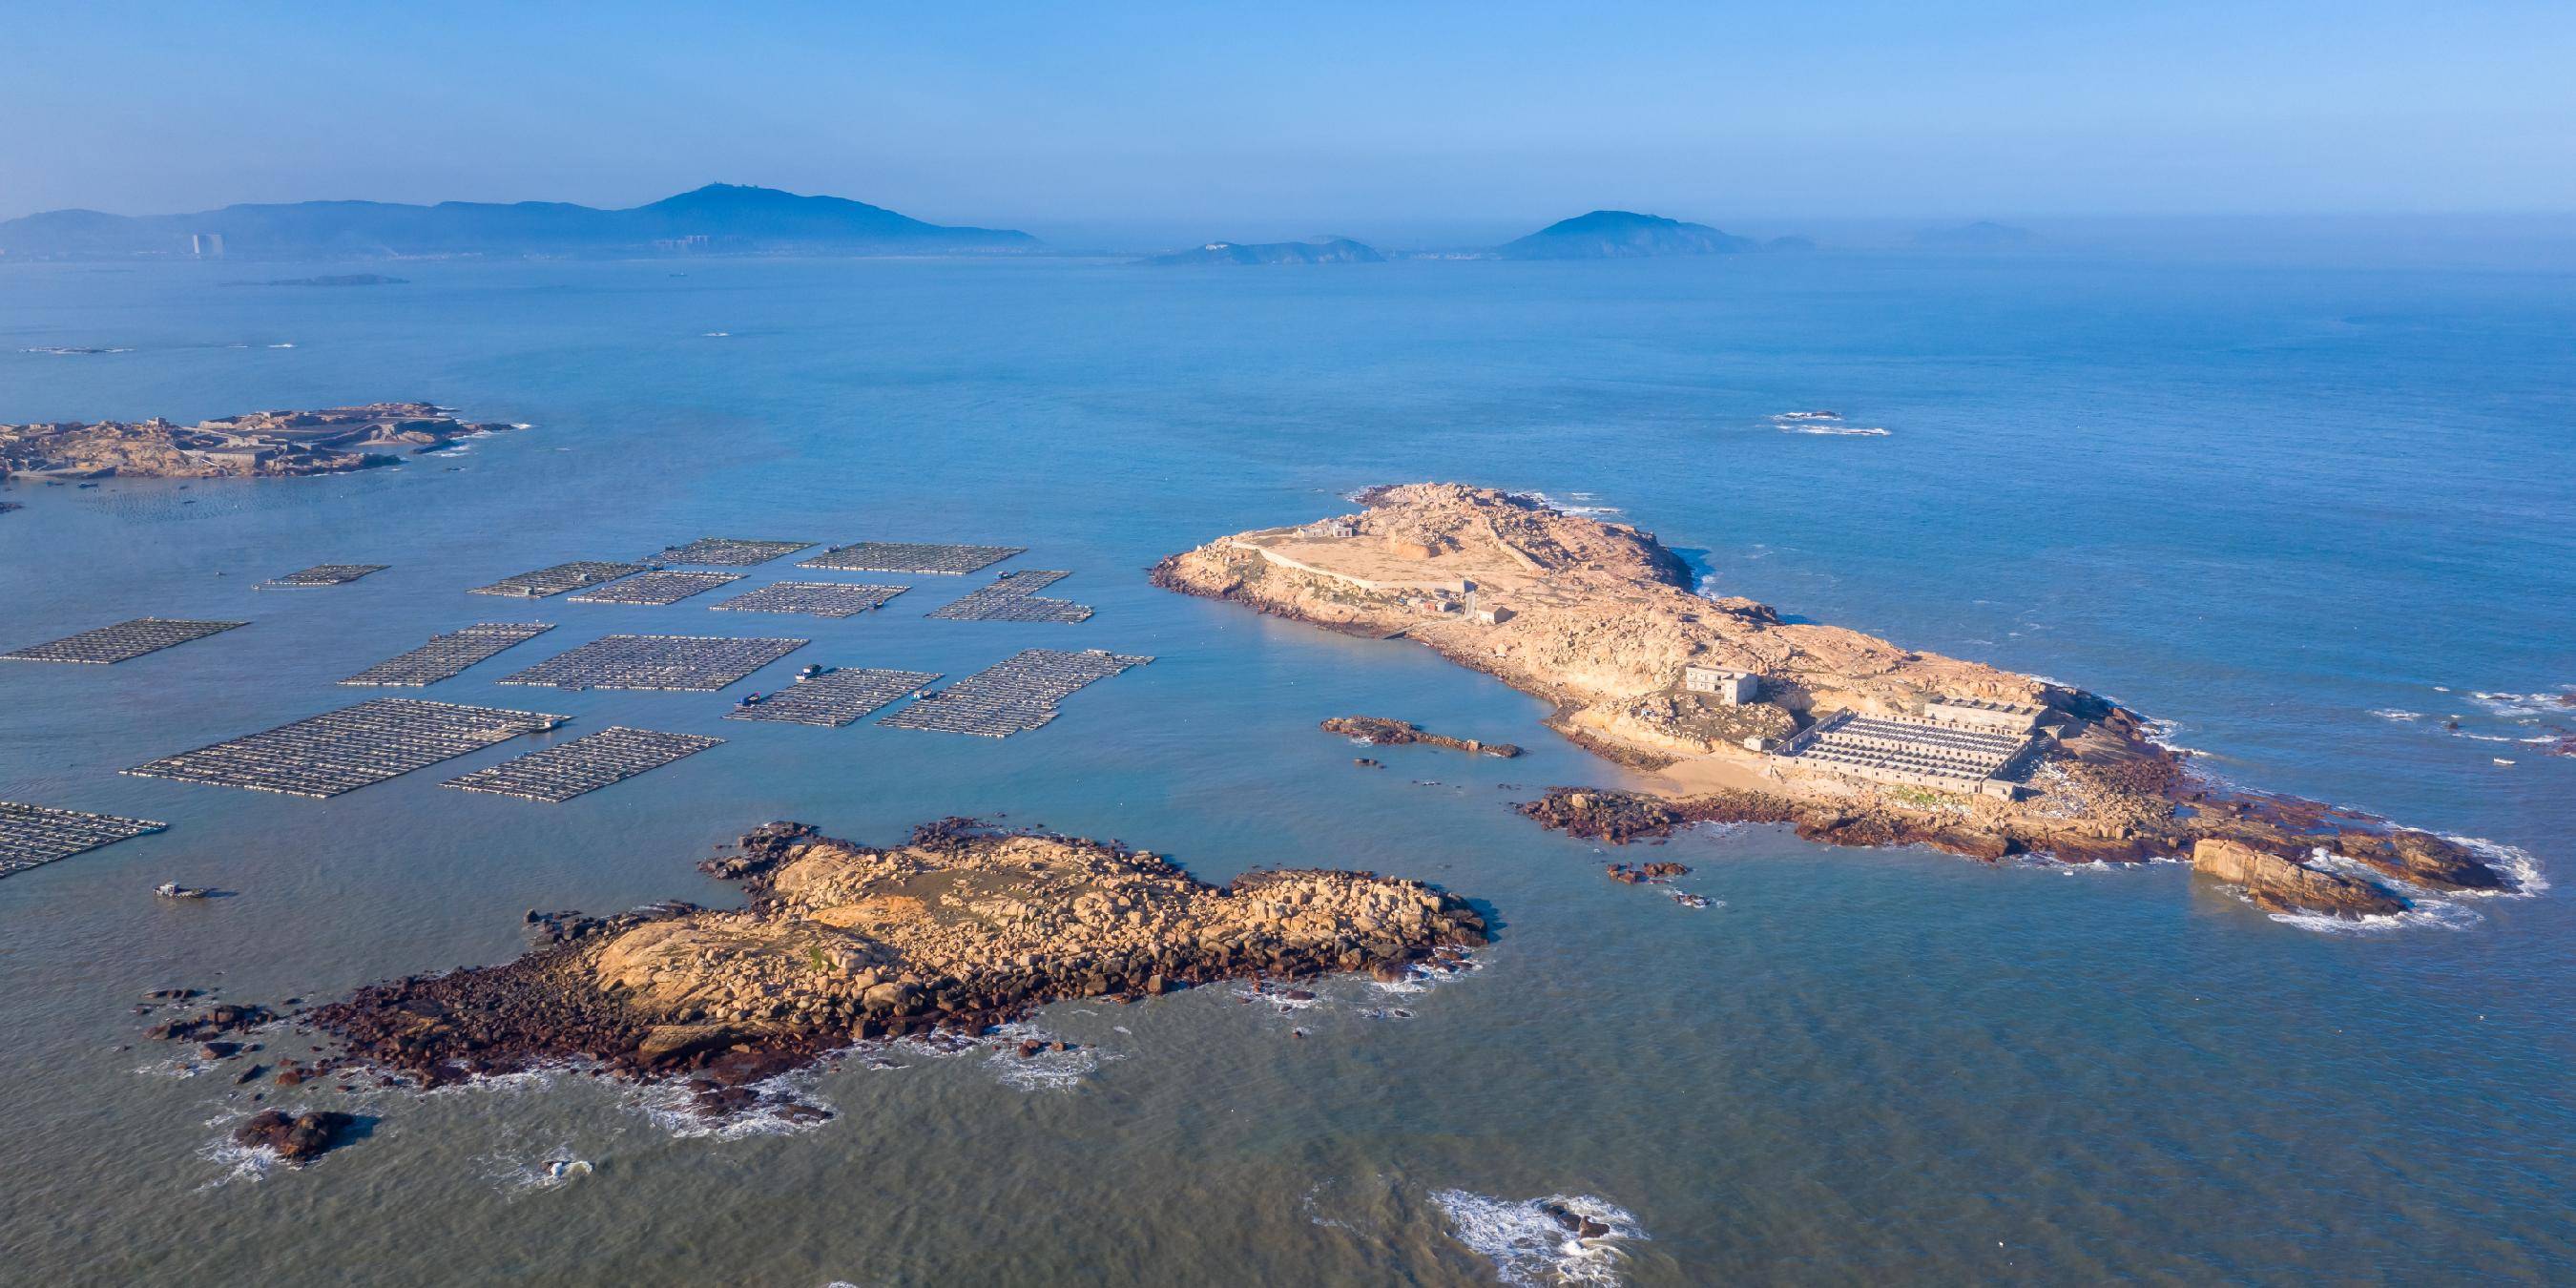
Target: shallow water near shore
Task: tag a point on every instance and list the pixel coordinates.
(2270, 506)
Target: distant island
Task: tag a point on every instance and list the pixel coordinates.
(719, 218)
(1623, 234)
(260, 444)
(339, 279)
(1737, 713)
(1322, 250)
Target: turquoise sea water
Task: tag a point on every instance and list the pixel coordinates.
(2287, 509)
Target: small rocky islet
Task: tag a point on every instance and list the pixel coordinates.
(961, 928)
(1723, 704)
(260, 444)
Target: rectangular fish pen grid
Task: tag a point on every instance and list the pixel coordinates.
(544, 582)
(835, 699)
(323, 575)
(122, 642)
(729, 552)
(557, 774)
(33, 835)
(654, 589)
(812, 598)
(446, 656)
(904, 556)
(696, 663)
(1013, 598)
(1015, 695)
(343, 750)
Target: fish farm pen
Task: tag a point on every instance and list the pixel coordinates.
(34, 835)
(727, 552)
(559, 773)
(341, 751)
(1013, 598)
(446, 656)
(902, 556)
(1015, 695)
(321, 575)
(655, 589)
(545, 582)
(122, 642)
(692, 663)
(813, 598)
(835, 698)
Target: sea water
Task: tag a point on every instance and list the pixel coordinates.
(2304, 514)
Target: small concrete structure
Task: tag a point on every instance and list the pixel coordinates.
(1330, 528)
(1494, 615)
(1735, 687)
(1982, 713)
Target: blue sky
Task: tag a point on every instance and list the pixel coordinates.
(1307, 117)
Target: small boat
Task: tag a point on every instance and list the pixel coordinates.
(750, 700)
(811, 670)
(174, 890)
(2501, 760)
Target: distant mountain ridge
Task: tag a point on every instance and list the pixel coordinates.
(717, 218)
(1321, 250)
(1623, 234)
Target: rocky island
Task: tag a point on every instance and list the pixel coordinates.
(260, 444)
(959, 928)
(1730, 712)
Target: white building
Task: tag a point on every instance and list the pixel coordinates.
(1735, 687)
(1981, 713)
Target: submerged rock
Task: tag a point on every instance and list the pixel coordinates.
(298, 1138)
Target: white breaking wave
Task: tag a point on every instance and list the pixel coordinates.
(1837, 431)
(1528, 1245)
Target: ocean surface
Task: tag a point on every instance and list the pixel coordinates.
(2304, 514)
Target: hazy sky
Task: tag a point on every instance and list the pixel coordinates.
(1307, 117)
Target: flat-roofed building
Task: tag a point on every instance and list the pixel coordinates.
(1983, 713)
(1735, 687)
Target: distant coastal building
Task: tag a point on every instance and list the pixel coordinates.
(1734, 687)
(206, 245)
(1330, 528)
(692, 242)
(1492, 615)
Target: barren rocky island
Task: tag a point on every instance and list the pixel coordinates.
(1732, 712)
(260, 444)
(961, 927)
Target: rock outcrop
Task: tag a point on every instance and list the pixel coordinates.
(1377, 731)
(2284, 885)
(296, 1138)
(960, 928)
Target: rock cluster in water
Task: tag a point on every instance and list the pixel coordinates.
(961, 928)
(1378, 731)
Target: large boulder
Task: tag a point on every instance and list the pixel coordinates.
(2283, 885)
(299, 1138)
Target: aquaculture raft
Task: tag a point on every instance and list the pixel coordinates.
(34, 835)
(1013, 598)
(122, 642)
(586, 764)
(322, 575)
(446, 656)
(813, 598)
(728, 552)
(1015, 695)
(343, 750)
(836, 698)
(694, 663)
(562, 577)
(654, 589)
(904, 556)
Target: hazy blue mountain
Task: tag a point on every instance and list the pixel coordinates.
(725, 216)
(1322, 250)
(1792, 243)
(1623, 234)
(1984, 234)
